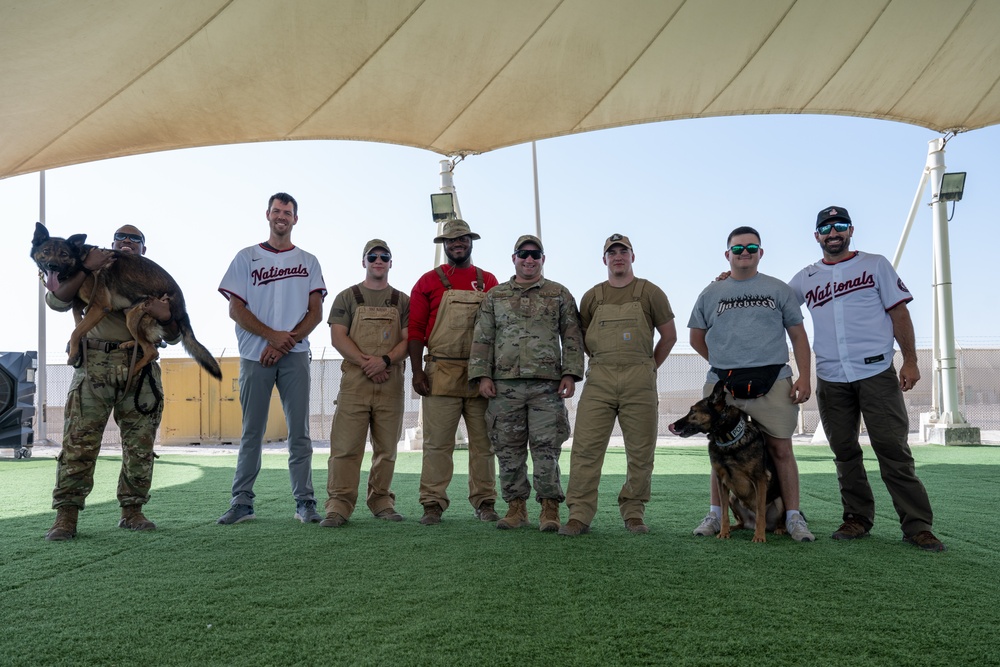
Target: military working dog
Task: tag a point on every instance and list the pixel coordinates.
(747, 477)
(123, 286)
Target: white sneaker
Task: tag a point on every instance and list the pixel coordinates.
(798, 529)
(709, 526)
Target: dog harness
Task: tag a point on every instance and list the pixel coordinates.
(735, 434)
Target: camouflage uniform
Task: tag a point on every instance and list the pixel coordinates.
(97, 389)
(527, 337)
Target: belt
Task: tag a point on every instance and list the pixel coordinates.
(103, 345)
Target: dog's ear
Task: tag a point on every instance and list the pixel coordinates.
(41, 234)
(77, 240)
(718, 395)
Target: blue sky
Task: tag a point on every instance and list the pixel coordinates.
(676, 189)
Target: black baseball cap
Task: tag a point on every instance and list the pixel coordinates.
(831, 214)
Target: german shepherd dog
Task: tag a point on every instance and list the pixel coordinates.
(748, 480)
(123, 286)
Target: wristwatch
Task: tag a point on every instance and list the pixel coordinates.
(387, 360)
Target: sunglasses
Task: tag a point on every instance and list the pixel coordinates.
(525, 254)
(751, 248)
(384, 256)
(134, 238)
(839, 226)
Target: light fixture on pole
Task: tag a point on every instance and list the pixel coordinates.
(443, 207)
(952, 186)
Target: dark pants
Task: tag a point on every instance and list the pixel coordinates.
(880, 400)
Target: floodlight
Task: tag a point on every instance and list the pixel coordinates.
(443, 206)
(952, 186)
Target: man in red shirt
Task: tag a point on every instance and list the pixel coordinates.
(443, 307)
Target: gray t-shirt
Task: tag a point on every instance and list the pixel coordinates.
(746, 321)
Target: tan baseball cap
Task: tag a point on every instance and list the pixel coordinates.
(617, 239)
(528, 238)
(375, 243)
(455, 228)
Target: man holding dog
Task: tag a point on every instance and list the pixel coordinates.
(97, 389)
(443, 307)
(275, 292)
(368, 323)
(619, 318)
(738, 325)
(858, 305)
(527, 355)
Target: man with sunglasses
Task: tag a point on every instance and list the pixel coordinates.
(443, 307)
(527, 355)
(739, 324)
(368, 324)
(619, 318)
(275, 292)
(97, 390)
(858, 305)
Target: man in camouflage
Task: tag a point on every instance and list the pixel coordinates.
(527, 353)
(97, 388)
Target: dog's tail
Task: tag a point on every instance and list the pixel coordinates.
(198, 351)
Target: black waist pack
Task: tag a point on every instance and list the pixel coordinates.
(749, 382)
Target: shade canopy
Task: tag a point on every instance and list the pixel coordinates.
(90, 79)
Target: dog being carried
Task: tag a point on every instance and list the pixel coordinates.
(124, 285)
(747, 478)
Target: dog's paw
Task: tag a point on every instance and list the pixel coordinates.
(127, 345)
(723, 535)
(759, 538)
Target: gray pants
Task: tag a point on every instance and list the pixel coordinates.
(291, 375)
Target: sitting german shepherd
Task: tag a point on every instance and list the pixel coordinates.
(123, 286)
(747, 477)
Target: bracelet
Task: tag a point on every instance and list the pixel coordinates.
(387, 360)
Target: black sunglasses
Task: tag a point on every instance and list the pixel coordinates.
(134, 238)
(839, 226)
(751, 248)
(525, 254)
(384, 256)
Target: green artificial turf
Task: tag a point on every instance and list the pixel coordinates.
(276, 592)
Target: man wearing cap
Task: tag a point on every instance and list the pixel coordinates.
(443, 307)
(527, 355)
(619, 317)
(858, 305)
(368, 327)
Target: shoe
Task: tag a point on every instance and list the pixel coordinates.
(709, 526)
(389, 514)
(517, 515)
(432, 515)
(636, 526)
(333, 520)
(305, 511)
(548, 520)
(65, 526)
(798, 529)
(487, 512)
(851, 529)
(236, 514)
(134, 519)
(925, 540)
(573, 528)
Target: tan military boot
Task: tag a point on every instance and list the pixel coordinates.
(548, 520)
(65, 526)
(517, 515)
(134, 519)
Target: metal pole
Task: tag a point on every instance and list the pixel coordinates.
(41, 376)
(538, 208)
(911, 217)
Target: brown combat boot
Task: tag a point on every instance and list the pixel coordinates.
(134, 519)
(65, 526)
(517, 515)
(548, 520)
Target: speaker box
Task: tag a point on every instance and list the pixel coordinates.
(17, 401)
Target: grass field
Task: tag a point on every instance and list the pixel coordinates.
(276, 592)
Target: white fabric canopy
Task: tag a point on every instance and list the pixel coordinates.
(89, 79)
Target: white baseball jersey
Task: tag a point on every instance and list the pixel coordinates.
(849, 302)
(275, 286)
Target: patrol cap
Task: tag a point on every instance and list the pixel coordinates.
(455, 228)
(617, 239)
(528, 238)
(376, 243)
(831, 214)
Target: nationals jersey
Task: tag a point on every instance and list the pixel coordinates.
(275, 285)
(849, 302)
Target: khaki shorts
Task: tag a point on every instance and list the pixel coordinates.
(773, 412)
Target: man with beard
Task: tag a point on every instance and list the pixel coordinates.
(858, 306)
(443, 307)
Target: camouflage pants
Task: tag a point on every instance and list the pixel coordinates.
(526, 411)
(93, 394)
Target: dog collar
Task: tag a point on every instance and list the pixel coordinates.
(735, 434)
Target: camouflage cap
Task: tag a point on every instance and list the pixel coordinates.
(455, 228)
(617, 239)
(528, 238)
(375, 243)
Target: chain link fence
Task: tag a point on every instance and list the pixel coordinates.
(679, 383)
